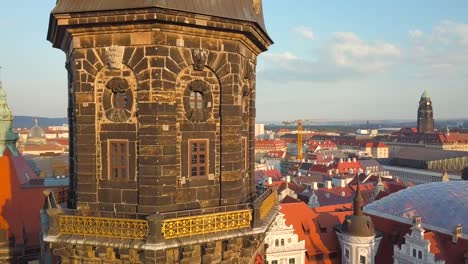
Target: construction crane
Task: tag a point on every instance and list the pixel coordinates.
(299, 123)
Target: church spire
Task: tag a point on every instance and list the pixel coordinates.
(358, 201)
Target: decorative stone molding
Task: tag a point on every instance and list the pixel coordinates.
(114, 57)
(115, 92)
(200, 57)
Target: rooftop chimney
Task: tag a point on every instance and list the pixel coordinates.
(288, 178)
(328, 184)
(342, 183)
(270, 180)
(314, 186)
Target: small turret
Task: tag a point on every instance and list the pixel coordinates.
(357, 236)
(8, 137)
(358, 224)
(379, 187)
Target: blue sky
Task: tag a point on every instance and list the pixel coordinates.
(335, 60)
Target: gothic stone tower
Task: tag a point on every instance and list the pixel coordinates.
(425, 114)
(162, 123)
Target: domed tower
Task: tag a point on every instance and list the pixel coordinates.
(36, 134)
(425, 114)
(7, 136)
(358, 239)
(162, 129)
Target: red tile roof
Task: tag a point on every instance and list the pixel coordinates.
(273, 173)
(315, 227)
(19, 207)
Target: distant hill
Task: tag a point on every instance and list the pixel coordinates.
(28, 121)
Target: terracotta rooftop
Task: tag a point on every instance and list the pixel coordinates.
(316, 227)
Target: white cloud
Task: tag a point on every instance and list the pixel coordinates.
(350, 51)
(305, 32)
(279, 57)
(415, 33)
(440, 51)
(346, 56)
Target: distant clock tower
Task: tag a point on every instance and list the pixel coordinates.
(425, 114)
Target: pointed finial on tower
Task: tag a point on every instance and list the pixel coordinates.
(425, 94)
(358, 201)
(36, 122)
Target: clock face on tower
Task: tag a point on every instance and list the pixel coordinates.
(428, 103)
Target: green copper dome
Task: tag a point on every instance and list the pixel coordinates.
(426, 95)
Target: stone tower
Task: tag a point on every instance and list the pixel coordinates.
(162, 122)
(358, 240)
(425, 114)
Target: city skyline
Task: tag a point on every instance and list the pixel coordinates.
(371, 61)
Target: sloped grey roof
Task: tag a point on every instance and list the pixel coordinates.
(442, 205)
(426, 154)
(232, 9)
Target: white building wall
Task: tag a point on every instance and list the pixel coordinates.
(358, 250)
(283, 243)
(259, 129)
(416, 249)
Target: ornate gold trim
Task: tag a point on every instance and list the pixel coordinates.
(268, 204)
(204, 224)
(103, 227)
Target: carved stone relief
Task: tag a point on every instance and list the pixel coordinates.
(249, 69)
(200, 57)
(114, 57)
(198, 101)
(115, 91)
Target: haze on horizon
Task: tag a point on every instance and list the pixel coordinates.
(338, 62)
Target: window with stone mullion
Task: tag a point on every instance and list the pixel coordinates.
(118, 159)
(198, 153)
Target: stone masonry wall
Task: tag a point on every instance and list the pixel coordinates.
(159, 64)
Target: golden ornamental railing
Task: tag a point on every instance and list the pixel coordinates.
(207, 223)
(268, 204)
(103, 227)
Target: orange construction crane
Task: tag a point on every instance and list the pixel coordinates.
(299, 135)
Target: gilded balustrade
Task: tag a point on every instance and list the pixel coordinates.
(207, 223)
(103, 227)
(268, 204)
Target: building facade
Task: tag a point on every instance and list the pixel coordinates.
(416, 248)
(162, 130)
(284, 245)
